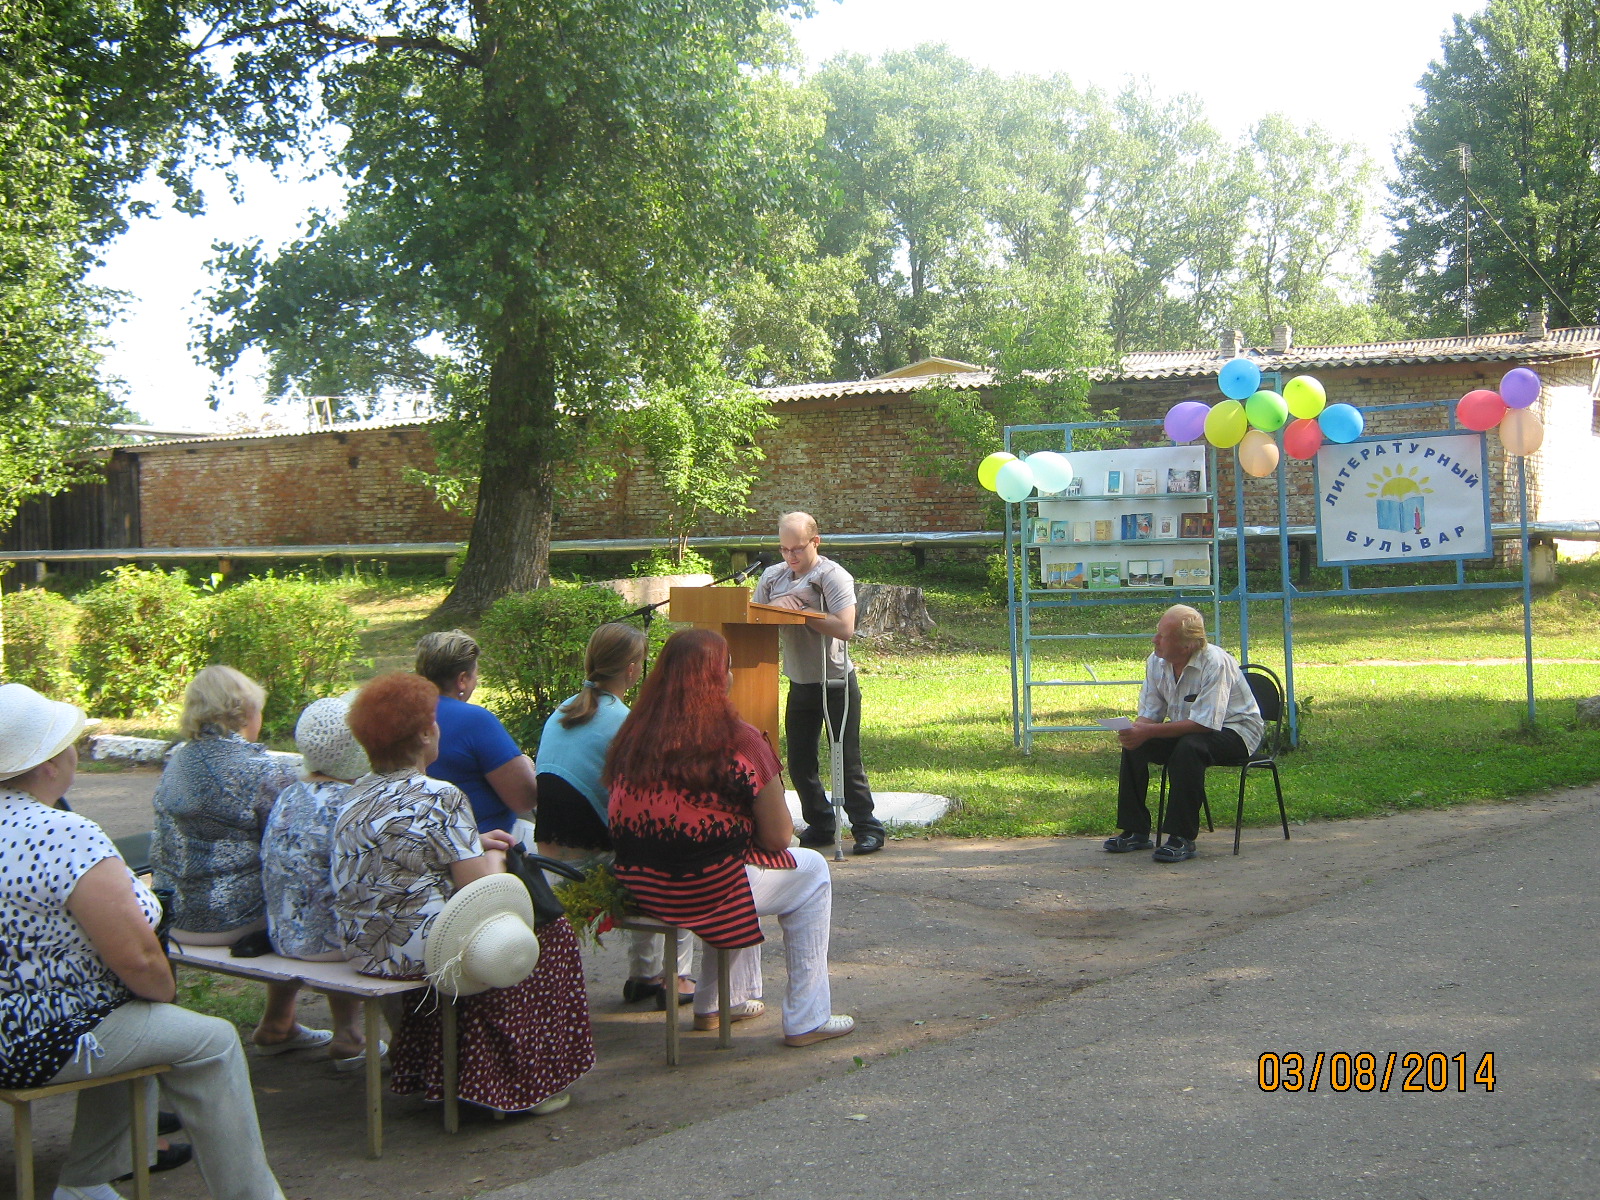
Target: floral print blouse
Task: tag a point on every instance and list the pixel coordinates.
(392, 848)
(295, 851)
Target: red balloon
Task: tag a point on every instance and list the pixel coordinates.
(1480, 410)
(1302, 438)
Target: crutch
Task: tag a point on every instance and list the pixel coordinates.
(836, 746)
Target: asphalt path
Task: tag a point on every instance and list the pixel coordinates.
(1147, 1085)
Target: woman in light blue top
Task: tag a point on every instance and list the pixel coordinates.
(573, 818)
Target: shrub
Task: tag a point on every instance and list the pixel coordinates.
(139, 640)
(533, 644)
(41, 629)
(295, 638)
(660, 562)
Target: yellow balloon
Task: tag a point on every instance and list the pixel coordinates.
(1258, 454)
(990, 467)
(1521, 431)
(1226, 424)
(1305, 396)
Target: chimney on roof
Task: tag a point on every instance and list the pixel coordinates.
(1538, 323)
(1232, 343)
(1282, 338)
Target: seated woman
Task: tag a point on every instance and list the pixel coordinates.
(573, 817)
(702, 834)
(84, 985)
(475, 751)
(294, 857)
(211, 806)
(403, 843)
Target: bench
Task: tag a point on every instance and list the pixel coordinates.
(21, 1101)
(341, 978)
(638, 923)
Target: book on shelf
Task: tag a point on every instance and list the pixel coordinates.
(1060, 531)
(1104, 575)
(1144, 481)
(1197, 525)
(1039, 529)
(1155, 572)
(1166, 526)
(1138, 572)
(1144, 525)
(1113, 483)
(1102, 530)
(1181, 480)
(1065, 575)
(1083, 531)
(1191, 572)
(1075, 488)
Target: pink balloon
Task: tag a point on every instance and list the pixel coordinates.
(1480, 410)
(1519, 387)
(1302, 438)
(1186, 421)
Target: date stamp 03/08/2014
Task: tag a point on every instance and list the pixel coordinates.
(1418, 1071)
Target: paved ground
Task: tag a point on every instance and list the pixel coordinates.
(1038, 1018)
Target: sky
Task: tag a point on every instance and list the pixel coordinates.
(1351, 68)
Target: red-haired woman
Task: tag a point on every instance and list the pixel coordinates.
(403, 844)
(702, 834)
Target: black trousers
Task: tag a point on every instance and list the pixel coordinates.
(802, 722)
(1186, 759)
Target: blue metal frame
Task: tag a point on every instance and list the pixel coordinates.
(1019, 608)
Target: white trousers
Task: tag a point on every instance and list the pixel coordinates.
(802, 900)
(645, 954)
(208, 1086)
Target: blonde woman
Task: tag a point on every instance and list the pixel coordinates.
(212, 804)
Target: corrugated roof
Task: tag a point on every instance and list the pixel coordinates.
(345, 427)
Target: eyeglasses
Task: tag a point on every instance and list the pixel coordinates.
(788, 550)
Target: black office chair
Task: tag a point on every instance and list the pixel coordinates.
(1268, 691)
(135, 851)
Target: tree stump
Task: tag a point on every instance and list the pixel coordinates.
(1589, 712)
(890, 608)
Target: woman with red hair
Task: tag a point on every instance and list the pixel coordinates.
(402, 846)
(702, 834)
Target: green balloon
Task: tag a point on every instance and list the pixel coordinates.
(1305, 396)
(1226, 424)
(1266, 411)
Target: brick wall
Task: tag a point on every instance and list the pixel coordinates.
(850, 462)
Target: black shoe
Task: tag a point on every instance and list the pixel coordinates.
(1126, 843)
(815, 837)
(166, 1160)
(661, 997)
(167, 1124)
(868, 843)
(1176, 850)
(635, 990)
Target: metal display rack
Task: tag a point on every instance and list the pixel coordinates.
(1025, 574)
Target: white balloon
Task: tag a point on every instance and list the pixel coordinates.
(1051, 471)
(1014, 482)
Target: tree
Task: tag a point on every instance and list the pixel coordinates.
(545, 187)
(1517, 85)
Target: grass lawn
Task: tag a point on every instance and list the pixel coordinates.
(1385, 722)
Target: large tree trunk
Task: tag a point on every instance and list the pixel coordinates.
(509, 549)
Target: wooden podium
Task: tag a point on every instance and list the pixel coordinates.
(752, 634)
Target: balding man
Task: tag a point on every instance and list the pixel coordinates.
(815, 661)
(1195, 711)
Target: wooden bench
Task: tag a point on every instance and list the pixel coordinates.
(21, 1101)
(341, 978)
(669, 937)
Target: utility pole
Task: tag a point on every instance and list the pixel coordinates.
(1464, 161)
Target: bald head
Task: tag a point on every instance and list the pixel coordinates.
(798, 540)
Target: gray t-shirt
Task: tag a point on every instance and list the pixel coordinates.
(826, 587)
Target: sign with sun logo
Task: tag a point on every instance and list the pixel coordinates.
(1414, 498)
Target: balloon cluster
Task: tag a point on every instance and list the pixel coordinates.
(1014, 478)
(1511, 409)
(1251, 415)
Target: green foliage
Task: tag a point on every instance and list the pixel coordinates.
(665, 560)
(533, 645)
(590, 902)
(140, 640)
(41, 630)
(1518, 83)
(295, 638)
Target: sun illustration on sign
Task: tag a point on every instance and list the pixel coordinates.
(1399, 493)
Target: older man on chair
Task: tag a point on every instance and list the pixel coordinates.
(1195, 711)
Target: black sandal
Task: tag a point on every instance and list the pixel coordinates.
(166, 1160)
(635, 990)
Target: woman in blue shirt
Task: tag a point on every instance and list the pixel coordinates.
(574, 816)
(475, 751)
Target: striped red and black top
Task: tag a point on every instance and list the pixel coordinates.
(683, 856)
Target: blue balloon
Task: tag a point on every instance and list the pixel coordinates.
(1239, 379)
(1341, 422)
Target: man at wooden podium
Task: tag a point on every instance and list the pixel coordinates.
(807, 580)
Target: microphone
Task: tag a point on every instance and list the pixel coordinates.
(761, 563)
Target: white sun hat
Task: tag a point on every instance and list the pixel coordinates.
(34, 729)
(323, 737)
(483, 939)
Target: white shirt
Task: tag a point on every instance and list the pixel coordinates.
(1211, 691)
